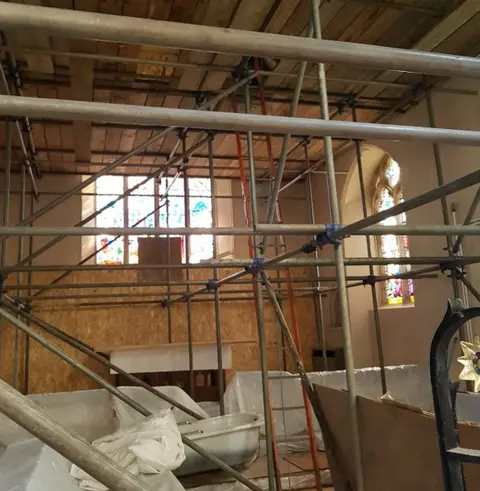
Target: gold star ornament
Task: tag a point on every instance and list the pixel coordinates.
(471, 362)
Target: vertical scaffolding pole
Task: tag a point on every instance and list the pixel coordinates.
(6, 208)
(339, 264)
(169, 274)
(373, 288)
(317, 295)
(446, 217)
(218, 326)
(186, 192)
(16, 348)
(277, 183)
(26, 367)
(441, 182)
(463, 289)
(468, 219)
(259, 307)
(291, 302)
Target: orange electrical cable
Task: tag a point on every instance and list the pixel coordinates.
(291, 297)
(251, 250)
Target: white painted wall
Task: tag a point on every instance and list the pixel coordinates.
(407, 331)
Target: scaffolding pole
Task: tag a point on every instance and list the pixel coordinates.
(6, 210)
(26, 158)
(111, 285)
(468, 219)
(330, 446)
(273, 471)
(68, 110)
(26, 368)
(446, 262)
(339, 264)
(218, 325)
(102, 27)
(317, 298)
(471, 288)
(441, 182)
(263, 229)
(217, 68)
(463, 289)
(373, 288)
(186, 202)
(16, 345)
(277, 179)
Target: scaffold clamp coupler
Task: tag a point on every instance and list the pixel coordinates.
(256, 265)
(369, 280)
(326, 237)
(211, 286)
(310, 247)
(450, 269)
(164, 304)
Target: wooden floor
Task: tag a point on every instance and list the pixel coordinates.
(293, 465)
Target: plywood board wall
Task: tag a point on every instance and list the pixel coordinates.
(146, 324)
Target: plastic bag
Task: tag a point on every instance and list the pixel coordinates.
(150, 447)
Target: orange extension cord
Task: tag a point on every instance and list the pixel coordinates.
(291, 297)
(248, 221)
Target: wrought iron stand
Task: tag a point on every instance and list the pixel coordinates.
(444, 397)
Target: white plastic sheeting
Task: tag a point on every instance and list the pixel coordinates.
(32, 466)
(150, 447)
(88, 413)
(244, 394)
(128, 416)
(26, 464)
(409, 384)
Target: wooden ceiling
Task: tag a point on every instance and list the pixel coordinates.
(431, 25)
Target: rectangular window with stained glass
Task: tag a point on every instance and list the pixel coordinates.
(144, 208)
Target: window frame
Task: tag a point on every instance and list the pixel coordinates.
(380, 183)
(156, 203)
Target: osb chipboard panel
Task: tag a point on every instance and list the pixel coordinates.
(399, 445)
(131, 325)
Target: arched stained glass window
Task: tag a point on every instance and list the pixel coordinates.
(388, 194)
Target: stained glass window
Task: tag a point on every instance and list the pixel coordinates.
(111, 248)
(200, 204)
(141, 212)
(389, 194)
(143, 208)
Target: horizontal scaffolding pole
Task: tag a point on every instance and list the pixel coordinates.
(147, 294)
(122, 29)
(124, 113)
(260, 229)
(217, 68)
(70, 286)
(151, 302)
(242, 263)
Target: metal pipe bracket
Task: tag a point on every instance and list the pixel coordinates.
(256, 266)
(327, 237)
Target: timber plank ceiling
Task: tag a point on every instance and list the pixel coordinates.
(48, 67)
